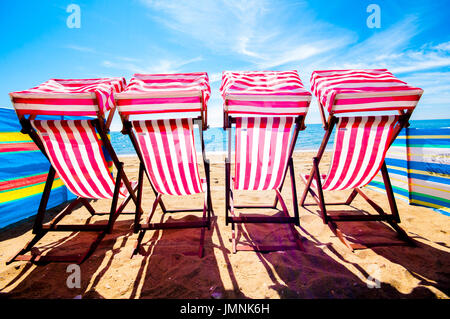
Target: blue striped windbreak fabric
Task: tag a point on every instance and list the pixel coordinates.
(419, 167)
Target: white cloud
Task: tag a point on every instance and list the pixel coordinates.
(80, 48)
(161, 66)
(215, 77)
(253, 30)
(443, 46)
(268, 35)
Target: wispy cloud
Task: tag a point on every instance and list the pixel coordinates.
(215, 77)
(267, 35)
(80, 48)
(252, 30)
(161, 66)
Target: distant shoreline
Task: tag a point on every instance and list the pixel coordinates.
(224, 153)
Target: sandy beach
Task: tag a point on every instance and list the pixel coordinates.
(171, 269)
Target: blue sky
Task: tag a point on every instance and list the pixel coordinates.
(146, 36)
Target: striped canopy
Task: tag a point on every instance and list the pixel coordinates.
(264, 93)
(165, 93)
(76, 97)
(342, 91)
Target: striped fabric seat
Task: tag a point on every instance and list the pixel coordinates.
(169, 155)
(262, 93)
(341, 91)
(165, 93)
(261, 152)
(76, 97)
(76, 154)
(360, 147)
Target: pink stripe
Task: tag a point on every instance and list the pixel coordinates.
(75, 147)
(192, 156)
(264, 113)
(273, 104)
(366, 157)
(248, 159)
(273, 144)
(55, 112)
(149, 111)
(45, 101)
(374, 151)
(157, 152)
(265, 84)
(51, 153)
(362, 153)
(326, 85)
(378, 99)
(146, 86)
(336, 152)
(140, 101)
(145, 151)
(375, 109)
(349, 156)
(104, 180)
(180, 186)
(261, 151)
(179, 158)
(256, 164)
(167, 154)
(284, 152)
(238, 159)
(102, 88)
(64, 153)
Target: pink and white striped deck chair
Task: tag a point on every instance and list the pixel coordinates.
(361, 141)
(165, 145)
(78, 151)
(268, 109)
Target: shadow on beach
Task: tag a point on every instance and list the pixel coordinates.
(171, 268)
(49, 280)
(23, 226)
(321, 271)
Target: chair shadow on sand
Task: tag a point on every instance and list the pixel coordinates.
(427, 264)
(50, 280)
(171, 268)
(312, 273)
(413, 258)
(164, 268)
(161, 273)
(316, 274)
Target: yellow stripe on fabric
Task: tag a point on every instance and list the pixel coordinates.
(398, 168)
(410, 154)
(419, 202)
(403, 181)
(425, 137)
(414, 171)
(397, 155)
(401, 196)
(27, 191)
(14, 137)
(380, 190)
(435, 188)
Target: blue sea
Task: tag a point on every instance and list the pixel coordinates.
(216, 138)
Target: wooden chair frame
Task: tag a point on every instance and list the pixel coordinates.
(392, 219)
(205, 220)
(40, 229)
(230, 207)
